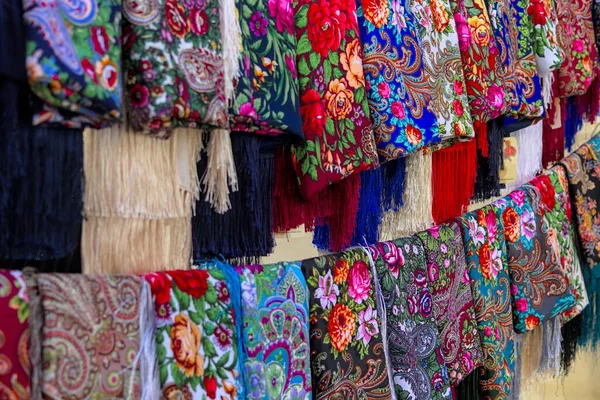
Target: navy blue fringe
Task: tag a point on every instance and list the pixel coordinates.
(393, 175)
(573, 123)
(321, 235)
(370, 211)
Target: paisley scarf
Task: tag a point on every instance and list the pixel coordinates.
(453, 308)
(333, 105)
(14, 356)
(539, 288)
(576, 35)
(73, 61)
(195, 334)
(490, 282)
(413, 343)
(347, 348)
(275, 303)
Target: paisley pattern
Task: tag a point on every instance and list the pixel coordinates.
(173, 64)
(275, 303)
(416, 360)
(548, 54)
(195, 334)
(399, 92)
(346, 345)
(453, 308)
(539, 288)
(73, 58)
(90, 336)
(14, 337)
(485, 251)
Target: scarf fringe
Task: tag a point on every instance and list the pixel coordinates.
(547, 83)
(394, 176)
(572, 121)
(571, 333)
(342, 222)
(36, 323)
(220, 173)
(531, 356)
(150, 381)
(370, 211)
(515, 391)
(469, 388)
(487, 184)
(529, 153)
(231, 40)
(551, 348)
(553, 138)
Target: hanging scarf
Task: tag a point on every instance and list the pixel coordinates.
(335, 114)
(14, 313)
(539, 288)
(398, 88)
(347, 348)
(553, 138)
(195, 334)
(576, 35)
(91, 326)
(413, 344)
(453, 307)
(275, 303)
(73, 61)
(487, 184)
(490, 282)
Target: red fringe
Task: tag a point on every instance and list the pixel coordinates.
(553, 139)
(588, 104)
(481, 137)
(453, 180)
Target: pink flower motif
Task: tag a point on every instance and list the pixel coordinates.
(437, 382)
(392, 256)
(578, 45)
(521, 305)
(476, 232)
(528, 224)
(496, 333)
(496, 264)
(444, 248)
(492, 224)
(514, 290)
(412, 305)
(458, 87)
(291, 64)
(327, 292)
(398, 110)
(587, 82)
(281, 10)
(432, 272)
(367, 325)
(518, 196)
(467, 361)
(247, 110)
(359, 282)
(384, 90)
(487, 331)
(495, 97)
(435, 231)
(465, 277)
(463, 31)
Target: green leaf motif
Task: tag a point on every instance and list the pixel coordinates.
(209, 347)
(314, 59)
(300, 17)
(213, 313)
(303, 45)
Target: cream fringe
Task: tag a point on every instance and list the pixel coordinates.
(415, 216)
(220, 171)
(529, 153)
(531, 356)
(231, 38)
(150, 381)
(547, 82)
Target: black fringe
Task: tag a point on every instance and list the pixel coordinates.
(468, 388)
(571, 334)
(487, 184)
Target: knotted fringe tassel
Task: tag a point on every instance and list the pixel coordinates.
(553, 137)
(220, 173)
(529, 153)
(415, 215)
(469, 388)
(150, 381)
(571, 332)
(487, 184)
(370, 211)
(547, 89)
(36, 323)
(454, 170)
(551, 348)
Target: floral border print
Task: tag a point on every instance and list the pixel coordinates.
(548, 54)
(347, 351)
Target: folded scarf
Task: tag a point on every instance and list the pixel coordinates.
(73, 61)
(14, 313)
(576, 36)
(398, 89)
(196, 334)
(453, 309)
(347, 348)
(275, 303)
(490, 282)
(416, 361)
(333, 105)
(539, 288)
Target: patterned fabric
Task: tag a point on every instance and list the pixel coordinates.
(195, 334)
(173, 64)
(398, 87)
(275, 303)
(539, 288)
(488, 270)
(347, 351)
(416, 360)
(266, 98)
(561, 232)
(576, 35)
(14, 337)
(583, 171)
(73, 60)
(548, 53)
(91, 329)
(453, 308)
(333, 105)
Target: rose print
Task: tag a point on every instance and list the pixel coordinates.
(341, 326)
(359, 282)
(185, 344)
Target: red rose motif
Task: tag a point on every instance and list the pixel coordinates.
(359, 282)
(458, 108)
(99, 39)
(176, 19)
(199, 22)
(193, 282)
(161, 287)
(313, 113)
(544, 185)
(521, 305)
(138, 96)
(327, 25)
(89, 70)
(128, 37)
(537, 12)
(531, 322)
(210, 385)
(398, 110)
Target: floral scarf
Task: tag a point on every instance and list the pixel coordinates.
(539, 288)
(398, 88)
(14, 337)
(195, 334)
(91, 327)
(347, 348)
(73, 60)
(488, 270)
(333, 105)
(576, 35)
(275, 303)
(453, 309)
(548, 53)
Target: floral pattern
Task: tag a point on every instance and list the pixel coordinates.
(548, 54)
(416, 360)
(333, 105)
(275, 304)
(91, 329)
(485, 252)
(576, 35)
(14, 337)
(347, 351)
(73, 60)
(173, 62)
(453, 310)
(539, 288)
(195, 334)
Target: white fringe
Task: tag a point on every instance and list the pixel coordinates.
(552, 348)
(150, 381)
(231, 39)
(529, 153)
(547, 82)
(415, 216)
(220, 171)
